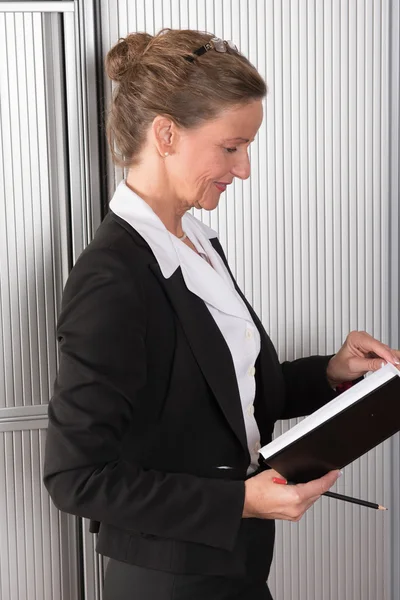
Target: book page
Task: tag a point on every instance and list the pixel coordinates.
(335, 406)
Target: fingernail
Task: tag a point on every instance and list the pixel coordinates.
(340, 474)
(383, 364)
(279, 480)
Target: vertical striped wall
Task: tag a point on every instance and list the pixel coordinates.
(312, 235)
(38, 545)
(33, 214)
(39, 131)
(394, 162)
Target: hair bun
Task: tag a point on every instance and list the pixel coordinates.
(125, 54)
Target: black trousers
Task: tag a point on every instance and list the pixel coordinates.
(129, 582)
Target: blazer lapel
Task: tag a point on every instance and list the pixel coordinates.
(209, 348)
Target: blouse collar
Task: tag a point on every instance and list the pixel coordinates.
(213, 284)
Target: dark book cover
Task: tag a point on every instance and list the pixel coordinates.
(343, 437)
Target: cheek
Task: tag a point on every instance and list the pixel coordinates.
(208, 171)
(199, 175)
(197, 168)
(205, 160)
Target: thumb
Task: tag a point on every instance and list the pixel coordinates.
(375, 363)
(363, 365)
(316, 487)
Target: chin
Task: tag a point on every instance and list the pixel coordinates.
(209, 207)
(208, 203)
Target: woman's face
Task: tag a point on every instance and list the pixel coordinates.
(205, 160)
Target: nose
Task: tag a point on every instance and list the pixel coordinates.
(241, 168)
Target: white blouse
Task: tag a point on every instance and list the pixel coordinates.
(209, 280)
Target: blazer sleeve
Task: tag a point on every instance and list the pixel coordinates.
(306, 386)
(102, 337)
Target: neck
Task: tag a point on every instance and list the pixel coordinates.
(152, 186)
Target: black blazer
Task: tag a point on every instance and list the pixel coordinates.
(146, 407)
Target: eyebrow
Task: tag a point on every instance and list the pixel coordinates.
(237, 139)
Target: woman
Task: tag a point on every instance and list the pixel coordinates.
(168, 384)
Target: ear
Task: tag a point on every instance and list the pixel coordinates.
(164, 134)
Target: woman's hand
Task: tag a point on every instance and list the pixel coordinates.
(359, 354)
(265, 499)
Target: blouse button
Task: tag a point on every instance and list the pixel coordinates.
(252, 371)
(250, 410)
(249, 334)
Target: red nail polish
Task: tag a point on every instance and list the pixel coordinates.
(279, 480)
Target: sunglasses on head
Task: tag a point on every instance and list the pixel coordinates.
(214, 44)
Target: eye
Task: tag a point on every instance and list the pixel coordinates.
(231, 150)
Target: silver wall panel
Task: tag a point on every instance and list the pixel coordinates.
(46, 181)
(38, 7)
(313, 235)
(33, 212)
(94, 565)
(81, 114)
(38, 197)
(38, 545)
(86, 16)
(394, 182)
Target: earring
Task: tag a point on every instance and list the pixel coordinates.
(166, 153)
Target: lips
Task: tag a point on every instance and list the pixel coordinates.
(220, 185)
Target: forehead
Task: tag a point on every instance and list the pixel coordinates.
(237, 125)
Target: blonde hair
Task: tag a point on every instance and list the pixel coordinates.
(155, 76)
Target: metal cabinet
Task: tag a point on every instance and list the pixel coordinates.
(313, 235)
(313, 238)
(48, 173)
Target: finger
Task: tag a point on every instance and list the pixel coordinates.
(370, 345)
(363, 365)
(396, 355)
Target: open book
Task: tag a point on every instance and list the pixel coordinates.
(341, 431)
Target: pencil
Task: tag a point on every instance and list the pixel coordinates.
(337, 496)
(354, 500)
